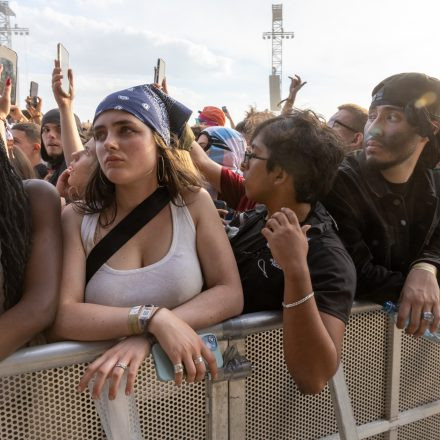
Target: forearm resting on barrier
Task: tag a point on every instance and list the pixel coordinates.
(312, 340)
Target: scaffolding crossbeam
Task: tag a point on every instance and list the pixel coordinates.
(6, 30)
(277, 35)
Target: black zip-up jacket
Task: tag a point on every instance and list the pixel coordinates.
(385, 232)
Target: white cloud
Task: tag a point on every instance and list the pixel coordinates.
(214, 51)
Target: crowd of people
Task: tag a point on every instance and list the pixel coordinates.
(111, 232)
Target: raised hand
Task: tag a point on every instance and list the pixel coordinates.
(295, 85)
(5, 98)
(35, 110)
(16, 114)
(163, 87)
(63, 98)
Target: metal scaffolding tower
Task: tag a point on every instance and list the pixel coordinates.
(277, 35)
(6, 30)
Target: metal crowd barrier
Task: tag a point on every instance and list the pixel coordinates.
(388, 388)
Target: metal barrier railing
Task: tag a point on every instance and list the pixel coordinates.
(391, 379)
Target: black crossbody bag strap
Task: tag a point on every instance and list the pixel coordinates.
(125, 229)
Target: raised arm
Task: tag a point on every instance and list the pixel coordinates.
(295, 86)
(70, 138)
(36, 309)
(211, 170)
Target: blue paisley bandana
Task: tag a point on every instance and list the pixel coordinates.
(154, 108)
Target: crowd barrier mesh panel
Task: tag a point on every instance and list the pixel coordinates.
(419, 384)
(426, 429)
(45, 406)
(364, 359)
(275, 410)
(419, 372)
(170, 412)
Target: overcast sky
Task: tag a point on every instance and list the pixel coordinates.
(215, 53)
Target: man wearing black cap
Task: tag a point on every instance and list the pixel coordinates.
(386, 200)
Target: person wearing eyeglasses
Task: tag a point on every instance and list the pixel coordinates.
(349, 122)
(288, 253)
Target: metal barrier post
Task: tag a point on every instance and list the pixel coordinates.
(342, 405)
(217, 406)
(237, 401)
(393, 376)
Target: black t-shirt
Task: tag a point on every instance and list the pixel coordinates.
(331, 269)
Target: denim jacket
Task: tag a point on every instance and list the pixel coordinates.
(385, 233)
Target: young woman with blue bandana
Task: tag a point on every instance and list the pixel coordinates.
(167, 264)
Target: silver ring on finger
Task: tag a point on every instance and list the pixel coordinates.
(198, 360)
(428, 316)
(178, 368)
(122, 365)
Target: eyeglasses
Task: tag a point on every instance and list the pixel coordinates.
(332, 124)
(248, 155)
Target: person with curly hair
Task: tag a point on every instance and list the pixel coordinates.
(288, 253)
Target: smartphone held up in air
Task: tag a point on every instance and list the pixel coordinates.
(33, 93)
(159, 71)
(63, 58)
(8, 58)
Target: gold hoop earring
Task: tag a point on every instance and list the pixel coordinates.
(160, 169)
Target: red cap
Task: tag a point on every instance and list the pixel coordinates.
(212, 116)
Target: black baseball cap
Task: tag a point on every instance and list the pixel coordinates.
(417, 89)
(419, 96)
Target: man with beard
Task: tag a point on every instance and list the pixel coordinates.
(51, 145)
(386, 200)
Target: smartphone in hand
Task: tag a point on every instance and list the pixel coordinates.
(159, 71)
(9, 60)
(33, 93)
(63, 58)
(164, 367)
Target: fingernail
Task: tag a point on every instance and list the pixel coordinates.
(127, 393)
(78, 389)
(8, 81)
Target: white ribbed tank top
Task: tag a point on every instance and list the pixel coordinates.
(169, 282)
